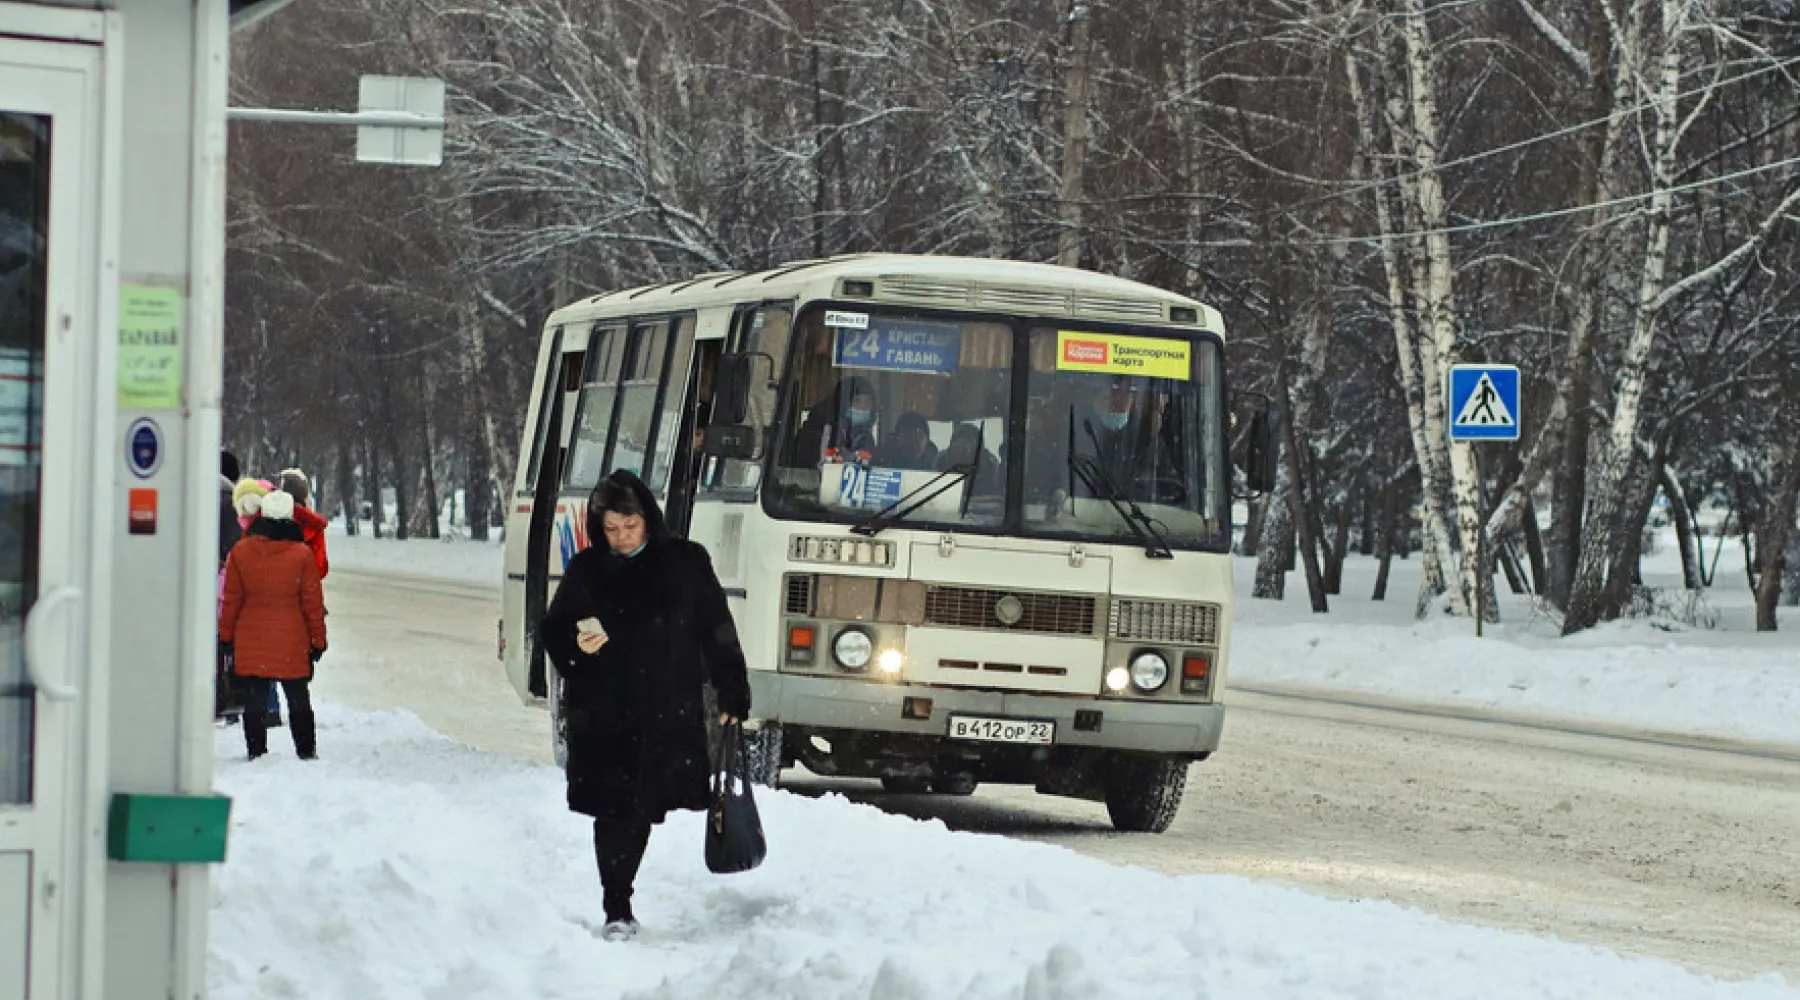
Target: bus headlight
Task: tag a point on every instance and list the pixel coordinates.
(1149, 671)
(890, 661)
(1117, 679)
(853, 649)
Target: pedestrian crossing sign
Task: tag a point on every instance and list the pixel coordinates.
(1484, 403)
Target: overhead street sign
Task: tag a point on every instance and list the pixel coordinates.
(422, 96)
(1484, 403)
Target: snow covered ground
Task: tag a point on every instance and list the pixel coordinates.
(1654, 673)
(405, 865)
(444, 559)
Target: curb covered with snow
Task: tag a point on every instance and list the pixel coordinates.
(457, 559)
(1743, 693)
(405, 865)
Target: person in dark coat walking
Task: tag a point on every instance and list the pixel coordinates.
(633, 687)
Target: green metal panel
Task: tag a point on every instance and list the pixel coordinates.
(168, 829)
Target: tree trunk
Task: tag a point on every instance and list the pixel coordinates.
(1425, 446)
(1684, 530)
(476, 490)
(346, 480)
(432, 528)
(1389, 524)
(1439, 292)
(1600, 545)
(1772, 543)
(396, 455)
(1277, 527)
(1340, 547)
(372, 480)
(1534, 547)
(1365, 542)
(1075, 132)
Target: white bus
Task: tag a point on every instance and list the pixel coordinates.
(973, 516)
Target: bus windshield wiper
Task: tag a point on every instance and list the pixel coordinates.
(902, 508)
(1100, 483)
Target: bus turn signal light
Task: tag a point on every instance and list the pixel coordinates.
(800, 644)
(1194, 670)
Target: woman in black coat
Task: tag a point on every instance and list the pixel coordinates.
(632, 690)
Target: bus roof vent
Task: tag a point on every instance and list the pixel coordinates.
(1027, 299)
(905, 286)
(1110, 306)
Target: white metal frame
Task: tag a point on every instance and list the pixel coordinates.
(63, 829)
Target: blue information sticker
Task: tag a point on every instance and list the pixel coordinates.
(866, 487)
(143, 447)
(900, 345)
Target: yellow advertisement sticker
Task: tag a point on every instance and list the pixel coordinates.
(1115, 354)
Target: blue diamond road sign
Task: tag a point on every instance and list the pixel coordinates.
(1484, 403)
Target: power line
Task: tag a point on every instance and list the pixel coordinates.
(1511, 220)
(1524, 143)
(1517, 220)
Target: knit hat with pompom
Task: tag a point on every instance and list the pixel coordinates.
(278, 506)
(246, 496)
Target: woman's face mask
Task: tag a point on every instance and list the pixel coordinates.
(1114, 421)
(861, 417)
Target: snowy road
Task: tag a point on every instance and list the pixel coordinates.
(1679, 852)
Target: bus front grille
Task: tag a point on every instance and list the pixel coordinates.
(799, 593)
(969, 607)
(1176, 622)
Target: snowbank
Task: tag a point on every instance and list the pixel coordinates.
(442, 559)
(404, 865)
(1652, 674)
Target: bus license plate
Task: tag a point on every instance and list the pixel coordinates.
(973, 727)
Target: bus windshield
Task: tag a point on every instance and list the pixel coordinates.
(890, 405)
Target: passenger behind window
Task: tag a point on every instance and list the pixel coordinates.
(962, 450)
(910, 446)
(842, 421)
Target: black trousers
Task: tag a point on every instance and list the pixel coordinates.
(618, 850)
(256, 693)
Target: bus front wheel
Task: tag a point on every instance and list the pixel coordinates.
(762, 754)
(1143, 792)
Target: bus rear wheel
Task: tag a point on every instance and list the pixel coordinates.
(1143, 792)
(559, 722)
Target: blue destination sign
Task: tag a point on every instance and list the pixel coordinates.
(900, 345)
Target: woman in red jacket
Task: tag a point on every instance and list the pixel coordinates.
(272, 623)
(312, 524)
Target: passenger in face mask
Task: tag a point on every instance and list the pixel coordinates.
(1112, 408)
(841, 422)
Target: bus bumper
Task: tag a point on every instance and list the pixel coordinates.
(869, 706)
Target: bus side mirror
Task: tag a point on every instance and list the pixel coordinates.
(730, 441)
(731, 404)
(1262, 450)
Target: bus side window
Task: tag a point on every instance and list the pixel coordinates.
(592, 416)
(759, 330)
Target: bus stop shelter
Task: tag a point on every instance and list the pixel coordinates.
(112, 204)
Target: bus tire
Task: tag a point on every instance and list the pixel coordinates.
(559, 723)
(762, 754)
(1143, 792)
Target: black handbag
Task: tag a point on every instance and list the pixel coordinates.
(734, 834)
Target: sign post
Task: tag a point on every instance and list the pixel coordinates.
(1483, 404)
